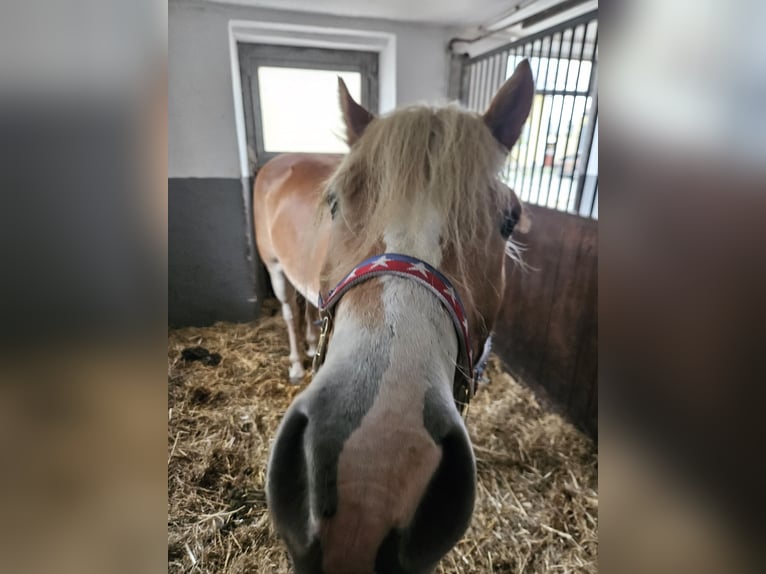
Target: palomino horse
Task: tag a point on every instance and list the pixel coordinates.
(372, 469)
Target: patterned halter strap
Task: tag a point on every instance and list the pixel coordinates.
(468, 372)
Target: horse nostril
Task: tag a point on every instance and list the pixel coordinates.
(286, 480)
(387, 558)
(445, 510)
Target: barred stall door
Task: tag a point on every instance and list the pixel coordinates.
(555, 162)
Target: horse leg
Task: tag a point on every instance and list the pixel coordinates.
(312, 331)
(287, 295)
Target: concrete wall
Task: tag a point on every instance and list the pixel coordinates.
(201, 136)
(213, 269)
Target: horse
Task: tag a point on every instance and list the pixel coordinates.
(402, 244)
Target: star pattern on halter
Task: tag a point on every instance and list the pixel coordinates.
(419, 268)
(382, 261)
(449, 292)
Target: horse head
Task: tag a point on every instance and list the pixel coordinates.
(372, 469)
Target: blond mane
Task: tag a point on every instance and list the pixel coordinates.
(420, 158)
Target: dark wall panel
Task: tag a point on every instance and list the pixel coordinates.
(547, 332)
(211, 260)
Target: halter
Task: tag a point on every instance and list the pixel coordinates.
(468, 373)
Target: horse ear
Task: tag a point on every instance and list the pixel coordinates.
(510, 106)
(355, 116)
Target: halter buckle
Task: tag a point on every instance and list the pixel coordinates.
(321, 344)
(462, 395)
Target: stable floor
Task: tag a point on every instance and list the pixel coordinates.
(537, 500)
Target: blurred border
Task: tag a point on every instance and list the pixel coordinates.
(83, 144)
(83, 230)
(681, 284)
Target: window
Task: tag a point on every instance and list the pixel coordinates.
(291, 97)
(299, 108)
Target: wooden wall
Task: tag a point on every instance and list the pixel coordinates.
(547, 332)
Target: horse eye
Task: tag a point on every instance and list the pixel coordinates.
(510, 219)
(332, 201)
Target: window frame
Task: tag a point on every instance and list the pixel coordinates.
(254, 56)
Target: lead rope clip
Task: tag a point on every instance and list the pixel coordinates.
(321, 344)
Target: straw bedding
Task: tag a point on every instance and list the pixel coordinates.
(537, 501)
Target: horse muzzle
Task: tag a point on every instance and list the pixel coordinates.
(354, 496)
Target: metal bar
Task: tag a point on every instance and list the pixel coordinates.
(593, 118)
(529, 141)
(569, 124)
(561, 93)
(482, 87)
(476, 85)
(578, 186)
(502, 75)
(511, 166)
(518, 52)
(548, 122)
(469, 85)
(533, 37)
(465, 91)
(492, 81)
(501, 69)
(587, 148)
(550, 12)
(501, 63)
(539, 121)
(464, 84)
(595, 197)
(472, 87)
(487, 85)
